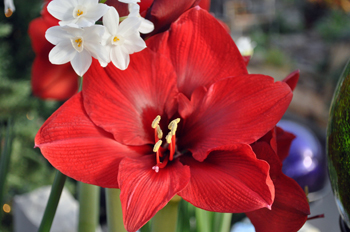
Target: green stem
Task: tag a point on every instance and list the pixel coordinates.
(114, 211)
(223, 222)
(52, 203)
(89, 199)
(103, 1)
(204, 220)
(166, 219)
(5, 160)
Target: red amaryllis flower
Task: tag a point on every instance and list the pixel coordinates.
(290, 208)
(49, 81)
(189, 89)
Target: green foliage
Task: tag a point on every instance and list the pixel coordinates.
(334, 26)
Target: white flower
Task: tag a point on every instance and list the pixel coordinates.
(146, 25)
(9, 7)
(122, 39)
(76, 45)
(83, 13)
(130, 1)
(245, 46)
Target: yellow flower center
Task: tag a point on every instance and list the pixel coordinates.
(79, 12)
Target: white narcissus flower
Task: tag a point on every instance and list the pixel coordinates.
(83, 13)
(76, 45)
(146, 25)
(245, 46)
(121, 39)
(9, 7)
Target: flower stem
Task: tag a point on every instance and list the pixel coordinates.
(223, 222)
(204, 220)
(89, 199)
(52, 203)
(114, 211)
(166, 219)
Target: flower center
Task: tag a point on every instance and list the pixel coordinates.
(78, 43)
(79, 11)
(117, 40)
(170, 139)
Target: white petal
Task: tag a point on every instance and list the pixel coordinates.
(134, 43)
(120, 58)
(98, 51)
(146, 26)
(134, 10)
(56, 35)
(84, 22)
(61, 9)
(95, 12)
(129, 26)
(62, 53)
(81, 62)
(111, 20)
(8, 4)
(87, 2)
(130, 1)
(94, 33)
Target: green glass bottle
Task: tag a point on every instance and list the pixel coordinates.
(338, 145)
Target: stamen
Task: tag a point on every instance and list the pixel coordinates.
(80, 12)
(177, 120)
(157, 146)
(159, 132)
(115, 39)
(168, 137)
(173, 128)
(155, 122)
(172, 148)
(78, 42)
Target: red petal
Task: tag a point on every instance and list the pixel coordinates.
(235, 110)
(126, 102)
(205, 4)
(49, 81)
(290, 208)
(292, 79)
(163, 13)
(36, 31)
(191, 49)
(231, 180)
(79, 149)
(144, 192)
(284, 141)
(121, 7)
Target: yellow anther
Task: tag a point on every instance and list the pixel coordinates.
(8, 13)
(78, 42)
(159, 132)
(173, 128)
(176, 121)
(155, 122)
(157, 146)
(80, 12)
(168, 137)
(115, 39)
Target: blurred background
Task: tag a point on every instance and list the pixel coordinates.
(312, 36)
